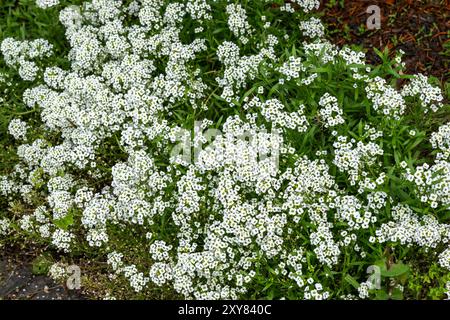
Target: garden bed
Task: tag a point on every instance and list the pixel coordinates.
(224, 150)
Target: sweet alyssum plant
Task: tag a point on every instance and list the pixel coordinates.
(225, 149)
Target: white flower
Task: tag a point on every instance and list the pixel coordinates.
(4, 226)
(237, 21)
(308, 5)
(444, 259)
(18, 129)
(58, 271)
(44, 4)
(330, 112)
(62, 239)
(430, 97)
(386, 100)
(312, 28)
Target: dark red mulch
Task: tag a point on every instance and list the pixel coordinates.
(419, 28)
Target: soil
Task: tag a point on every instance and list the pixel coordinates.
(17, 280)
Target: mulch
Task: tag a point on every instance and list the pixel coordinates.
(419, 28)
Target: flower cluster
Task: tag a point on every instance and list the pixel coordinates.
(22, 53)
(272, 111)
(137, 279)
(58, 271)
(432, 182)
(4, 226)
(354, 158)
(440, 140)
(239, 71)
(237, 22)
(292, 68)
(408, 229)
(308, 5)
(444, 259)
(18, 129)
(385, 98)
(430, 97)
(44, 4)
(330, 112)
(312, 28)
(62, 239)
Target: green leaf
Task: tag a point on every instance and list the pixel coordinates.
(395, 270)
(267, 286)
(40, 265)
(382, 265)
(381, 295)
(397, 294)
(348, 278)
(65, 222)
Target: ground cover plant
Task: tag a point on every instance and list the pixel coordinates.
(219, 150)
